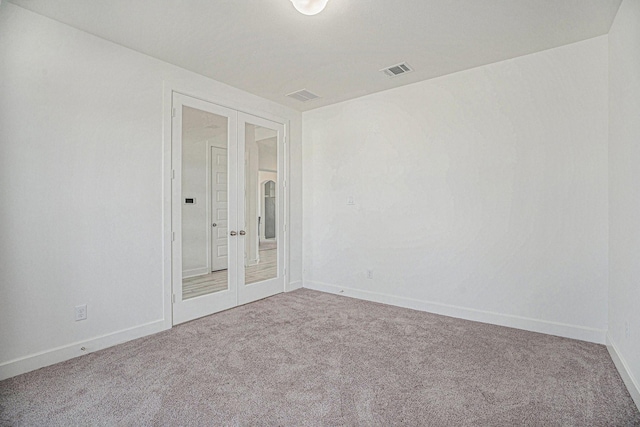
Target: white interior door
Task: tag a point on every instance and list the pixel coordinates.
(219, 209)
(261, 146)
(221, 159)
(200, 129)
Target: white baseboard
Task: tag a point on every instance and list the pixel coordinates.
(293, 286)
(627, 377)
(534, 325)
(60, 354)
(195, 272)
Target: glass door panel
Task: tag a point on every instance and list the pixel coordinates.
(204, 210)
(204, 146)
(263, 238)
(261, 174)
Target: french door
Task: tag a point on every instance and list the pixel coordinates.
(227, 189)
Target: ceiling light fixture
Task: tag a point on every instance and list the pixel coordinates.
(309, 7)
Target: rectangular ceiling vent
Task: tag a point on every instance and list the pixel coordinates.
(303, 95)
(396, 70)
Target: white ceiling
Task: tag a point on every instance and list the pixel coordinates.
(267, 48)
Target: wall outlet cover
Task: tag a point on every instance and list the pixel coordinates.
(81, 312)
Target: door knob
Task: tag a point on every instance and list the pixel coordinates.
(242, 233)
(233, 233)
(214, 225)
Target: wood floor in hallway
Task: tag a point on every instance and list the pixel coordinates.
(217, 281)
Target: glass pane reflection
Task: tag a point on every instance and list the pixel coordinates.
(261, 203)
(204, 204)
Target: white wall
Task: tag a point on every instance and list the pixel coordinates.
(81, 188)
(196, 227)
(481, 194)
(251, 191)
(268, 154)
(624, 197)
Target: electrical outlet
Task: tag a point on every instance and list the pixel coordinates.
(627, 330)
(369, 274)
(81, 312)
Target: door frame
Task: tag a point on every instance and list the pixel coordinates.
(205, 91)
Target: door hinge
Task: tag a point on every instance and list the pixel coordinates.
(284, 227)
(173, 174)
(173, 298)
(173, 112)
(173, 236)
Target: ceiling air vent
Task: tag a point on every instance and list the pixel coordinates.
(303, 95)
(396, 70)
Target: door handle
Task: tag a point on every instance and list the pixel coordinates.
(214, 225)
(233, 233)
(242, 233)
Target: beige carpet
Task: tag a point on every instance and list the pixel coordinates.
(309, 359)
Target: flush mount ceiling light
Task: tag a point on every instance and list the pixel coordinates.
(309, 7)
